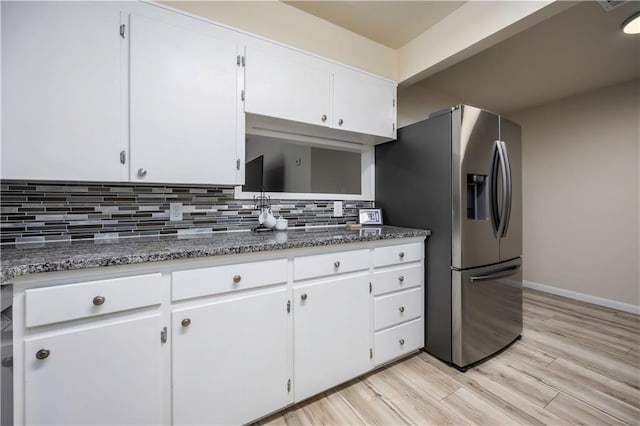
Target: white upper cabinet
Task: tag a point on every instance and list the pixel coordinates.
(61, 91)
(286, 84)
(280, 83)
(184, 105)
(364, 104)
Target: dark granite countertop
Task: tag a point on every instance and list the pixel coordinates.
(18, 261)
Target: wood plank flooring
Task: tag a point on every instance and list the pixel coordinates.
(576, 364)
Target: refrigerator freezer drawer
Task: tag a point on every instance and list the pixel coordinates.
(486, 310)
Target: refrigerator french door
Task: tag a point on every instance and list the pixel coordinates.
(458, 174)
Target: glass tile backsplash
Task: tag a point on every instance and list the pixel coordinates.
(35, 212)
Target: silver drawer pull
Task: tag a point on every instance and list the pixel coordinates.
(186, 322)
(401, 278)
(336, 263)
(401, 254)
(401, 308)
(303, 296)
(43, 354)
(236, 279)
(99, 300)
(401, 341)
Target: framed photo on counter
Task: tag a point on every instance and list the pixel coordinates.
(370, 216)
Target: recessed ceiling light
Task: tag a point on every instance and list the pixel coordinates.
(632, 24)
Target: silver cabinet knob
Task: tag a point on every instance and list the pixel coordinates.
(401, 254)
(237, 278)
(401, 278)
(340, 122)
(401, 341)
(99, 300)
(43, 354)
(186, 322)
(336, 263)
(142, 172)
(7, 362)
(401, 308)
(303, 296)
(324, 118)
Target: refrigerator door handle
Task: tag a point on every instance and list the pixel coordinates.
(493, 189)
(499, 274)
(506, 189)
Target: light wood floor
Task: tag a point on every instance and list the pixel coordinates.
(576, 364)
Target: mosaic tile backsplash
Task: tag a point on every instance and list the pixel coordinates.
(62, 211)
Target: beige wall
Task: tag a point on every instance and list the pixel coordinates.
(581, 193)
(415, 103)
(285, 24)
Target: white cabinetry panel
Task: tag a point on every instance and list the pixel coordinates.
(330, 264)
(398, 341)
(398, 307)
(88, 299)
(230, 360)
(363, 104)
(61, 87)
(278, 85)
(331, 333)
(184, 105)
(105, 374)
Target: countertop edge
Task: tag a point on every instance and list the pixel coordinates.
(89, 262)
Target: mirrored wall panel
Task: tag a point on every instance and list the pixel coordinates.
(276, 165)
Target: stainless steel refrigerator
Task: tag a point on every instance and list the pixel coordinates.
(458, 173)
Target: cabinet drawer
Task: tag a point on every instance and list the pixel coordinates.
(397, 308)
(67, 302)
(392, 255)
(399, 278)
(330, 264)
(223, 279)
(398, 341)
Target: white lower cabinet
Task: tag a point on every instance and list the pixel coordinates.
(218, 343)
(331, 333)
(100, 374)
(230, 359)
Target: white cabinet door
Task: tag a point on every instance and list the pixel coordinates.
(61, 88)
(363, 104)
(286, 85)
(184, 105)
(230, 360)
(104, 374)
(332, 333)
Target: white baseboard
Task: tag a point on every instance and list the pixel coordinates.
(613, 304)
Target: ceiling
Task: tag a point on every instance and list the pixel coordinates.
(390, 23)
(575, 51)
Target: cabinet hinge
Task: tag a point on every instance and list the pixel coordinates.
(394, 102)
(238, 60)
(123, 28)
(370, 288)
(243, 61)
(163, 335)
(242, 95)
(393, 127)
(370, 353)
(289, 385)
(123, 157)
(238, 164)
(288, 306)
